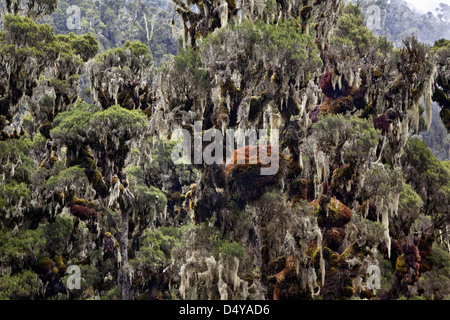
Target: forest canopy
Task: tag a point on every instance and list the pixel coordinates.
(357, 119)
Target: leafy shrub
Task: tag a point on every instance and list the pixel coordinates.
(232, 249)
(58, 233)
(21, 250)
(22, 286)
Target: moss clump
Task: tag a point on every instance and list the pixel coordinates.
(98, 183)
(45, 128)
(53, 159)
(334, 238)
(377, 74)
(343, 173)
(316, 207)
(83, 202)
(305, 12)
(114, 180)
(89, 163)
(286, 284)
(45, 265)
(246, 179)
(400, 266)
(349, 253)
(300, 190)
(341, 105)
(231, 4)
(97, 177)
(256, 107)
(339, 214)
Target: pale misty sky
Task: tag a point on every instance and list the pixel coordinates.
(427, 5)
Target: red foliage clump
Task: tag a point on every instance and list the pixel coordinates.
(314, 114)
(382, 123)
(334, 238)
(425, 247)
(326, 84)
(287, 285)
(412, 260)
(335, 106)
(250, 155)
(82, 212)
(246, 178)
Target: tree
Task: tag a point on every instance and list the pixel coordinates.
(109, 132)
(32, 8)
(442, 85)
(28, 52)
(430, 178)
(122, 76)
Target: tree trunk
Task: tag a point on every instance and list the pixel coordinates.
(124, 279)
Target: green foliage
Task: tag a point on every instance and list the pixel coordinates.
(86, 123)
(382, 180)
(14, 191)
(30, 51)
(113, 294)
(441, 43)
(364, 232)
(85, 46)
(441, 95)
(285, 40)
(171, 232)
(100, 19)
(66, 178)
(387, 274)
(156, 249)
(232, 249)
(23, 249)
(90, 277)
(150, 197)
(424, 162)
(356, 137)
(251, 41)
(257, 62)
(430, 178)
(22, 286)
(122, 76)
(118, 122)
(23, 32)
(14, 153)
(131, 51)
(435, 282)
(352, 32)
(58, 233)
(160, 163)
(189, 61)
(410, 201)
(71, 127)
